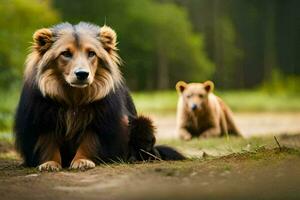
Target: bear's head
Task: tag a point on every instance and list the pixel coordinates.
(76, 64)
(195, 95)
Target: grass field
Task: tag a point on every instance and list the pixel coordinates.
(239, 101)
(162, 102)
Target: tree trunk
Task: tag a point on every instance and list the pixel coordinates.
(162, 71)
(218, 47)
(270, 48)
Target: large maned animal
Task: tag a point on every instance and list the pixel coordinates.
(75, 109)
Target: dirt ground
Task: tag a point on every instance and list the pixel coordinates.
(266, 174)
(244, 169)
(250, 124)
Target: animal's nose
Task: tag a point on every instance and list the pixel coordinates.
(81, 74)
(194, 107)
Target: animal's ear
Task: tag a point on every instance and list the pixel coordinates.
(180, 86)
(42, 40)
(209, 86)
(108, 38)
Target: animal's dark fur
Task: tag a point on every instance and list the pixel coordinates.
(37, 115)
(142, 143)
(168, 153)
(142, 140)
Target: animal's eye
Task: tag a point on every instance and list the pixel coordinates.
(189, 96)
(201, 95)
(67, 54)
(91, 54)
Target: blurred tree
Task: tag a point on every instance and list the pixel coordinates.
(156, 39)
(162, 41)
(248, 39)
(19, 19)
(226, 52)
(212, 18)
(288, 41)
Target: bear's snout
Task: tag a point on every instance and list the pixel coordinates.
(194, 107)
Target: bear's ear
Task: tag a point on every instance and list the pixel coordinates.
(42, 40)
(108, 38)
(208, 86)
(180, 86)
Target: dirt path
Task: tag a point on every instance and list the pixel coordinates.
(251, 124)
(268, 174)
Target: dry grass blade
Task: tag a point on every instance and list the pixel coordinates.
(150, 154)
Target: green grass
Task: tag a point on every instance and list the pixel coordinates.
(155, 102)
(164, 102)
(161, 102)
(260, 101)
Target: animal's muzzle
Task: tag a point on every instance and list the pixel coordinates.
(81, 74)
(194, 107)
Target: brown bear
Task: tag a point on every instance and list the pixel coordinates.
(200, 113)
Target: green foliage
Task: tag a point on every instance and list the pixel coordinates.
(247, 39)
(230, 54)
(8, 102)
(170, 38)
(238, 43)
(157, 42)
(281, 84)
(19, 19)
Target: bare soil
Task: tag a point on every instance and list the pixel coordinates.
(263, 174)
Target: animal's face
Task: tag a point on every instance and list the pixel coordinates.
(195, 95)
(79, 59)
(78, 62)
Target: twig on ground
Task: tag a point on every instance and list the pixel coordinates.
(205, 155)
(277, 143)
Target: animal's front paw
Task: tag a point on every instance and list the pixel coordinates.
(204, 136)
(210, 134)
(186, 137)
(51, 166)
(82, 164)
